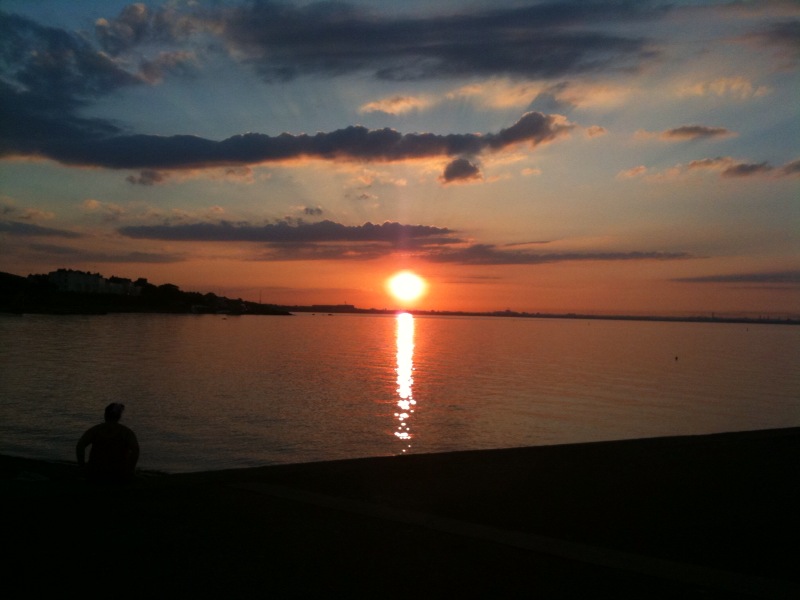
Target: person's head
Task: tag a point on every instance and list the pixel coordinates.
(114, 412)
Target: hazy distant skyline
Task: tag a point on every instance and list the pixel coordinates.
(596, 156)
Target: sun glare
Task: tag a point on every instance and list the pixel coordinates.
(406, 286)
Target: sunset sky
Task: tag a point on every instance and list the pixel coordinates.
(598, 156)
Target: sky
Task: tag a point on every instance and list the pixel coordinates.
(557, 156)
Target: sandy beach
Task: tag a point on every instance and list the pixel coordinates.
(711, 516)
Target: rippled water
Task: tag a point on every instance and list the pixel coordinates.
(208, 392)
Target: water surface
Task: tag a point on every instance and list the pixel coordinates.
(209, 392)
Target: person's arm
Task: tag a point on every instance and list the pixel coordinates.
(134, 451)
(80, 448)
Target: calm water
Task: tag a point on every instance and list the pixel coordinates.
(207, 392)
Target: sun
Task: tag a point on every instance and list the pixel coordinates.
(406, 286)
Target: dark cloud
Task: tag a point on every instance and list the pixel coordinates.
(128, 29)
(460, 170)
(747, 169)
(551, 99)
(333, 241)
(316, 251)
(791, 168)
(136, 257)
(284, 40)
(83, 255)
(292, 233)
(774, 277)
(693, 132)
(153, 153)
(54, 250)
(147, 177)
(137, 23)
(487, 254)
(55, 68)
(550, 39)
(51, 68)
(154, 71)
(784, 35)
(312, 210)
(30, 128)
(46, 76)
(31, 230)
(730, 167)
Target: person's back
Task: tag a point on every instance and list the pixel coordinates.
(114, 448)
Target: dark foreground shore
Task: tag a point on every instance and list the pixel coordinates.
(689, 517)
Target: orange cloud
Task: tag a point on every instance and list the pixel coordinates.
(397, 105)
(737, 88)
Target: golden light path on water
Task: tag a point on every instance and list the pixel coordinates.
(405, 380)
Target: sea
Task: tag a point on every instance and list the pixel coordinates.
(209, 392)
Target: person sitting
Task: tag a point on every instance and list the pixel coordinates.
(114, 449)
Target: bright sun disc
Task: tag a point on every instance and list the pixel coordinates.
(406, 286)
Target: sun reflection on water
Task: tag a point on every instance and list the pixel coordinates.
(405, 380)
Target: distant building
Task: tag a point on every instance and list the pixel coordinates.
(123, 286)
(68, 280)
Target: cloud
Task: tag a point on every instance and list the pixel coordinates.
(546, 40)
(148, 177)
(291, 233)
(488, 254)
(136, 257)
(46, 76)
(31, 230)
(50, 75)
(783, 35)
(567, 95)
(138, 24)
(320, 251)
(460, 170)
(365, 178)
(397, 105)
(765, 278)
(791, 168)
(500, 93)
(326, 240)
(726, 166)
(52, 68)
(10, 209)
(152, 154)
(595, 131)
(154, 71)
(693, 132)
(746, 169)
(730, 167)
(282, 41)
(737, 88)
(241, 174)
(110, 212)
(83, 255)
(719, 163)
(128, 29)
(633, 172)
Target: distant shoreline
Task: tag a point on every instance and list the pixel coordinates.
(277, 310)
(41, 294)
(347, 309)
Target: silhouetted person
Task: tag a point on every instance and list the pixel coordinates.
(115, 449)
